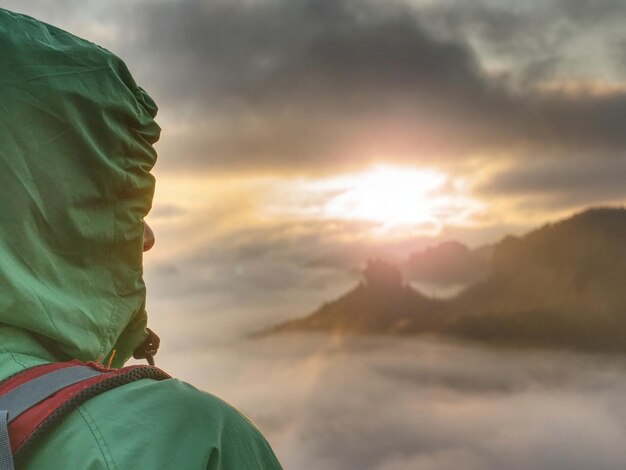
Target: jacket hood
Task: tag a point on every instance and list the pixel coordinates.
(76, 136)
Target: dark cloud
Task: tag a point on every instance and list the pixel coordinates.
(559, 38)
(302, 83)
(308, 84)
(565, 183)
(585, 13)
(304, 86)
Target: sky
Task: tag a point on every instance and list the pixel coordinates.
(301, 137)
(278, 114)
(337, 129)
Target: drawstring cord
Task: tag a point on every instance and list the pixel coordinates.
(113, 353)
(148, 349)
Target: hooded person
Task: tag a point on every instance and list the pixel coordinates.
(76, 150)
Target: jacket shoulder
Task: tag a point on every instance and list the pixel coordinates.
(154, 424)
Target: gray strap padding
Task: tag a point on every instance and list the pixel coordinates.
(30, 393)
(6, 457)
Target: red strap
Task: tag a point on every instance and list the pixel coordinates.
(25, 425)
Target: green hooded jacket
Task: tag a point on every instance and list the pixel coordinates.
(76, 150)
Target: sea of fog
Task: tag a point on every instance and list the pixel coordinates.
(329, 402)
(382, 403)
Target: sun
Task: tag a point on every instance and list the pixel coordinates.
(421, 199)
(390, 202)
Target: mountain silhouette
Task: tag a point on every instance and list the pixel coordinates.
(382, 303)
(450, 262)
(563, 284)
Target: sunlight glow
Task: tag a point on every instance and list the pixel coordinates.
(397, 198)
(391, 195)
(383, 201)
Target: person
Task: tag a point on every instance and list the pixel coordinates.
(76, 151)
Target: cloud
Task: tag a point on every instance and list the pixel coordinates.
(378, 403)
(296, 84)
(319, 86)
(557, 184)
(306, 85)
(535, 41)
(260, 265)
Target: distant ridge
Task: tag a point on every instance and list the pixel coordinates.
(380, 304)
(449, 262)
(562, 284)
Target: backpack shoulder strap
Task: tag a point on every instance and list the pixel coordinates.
(33, 401)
